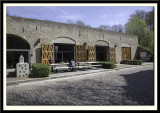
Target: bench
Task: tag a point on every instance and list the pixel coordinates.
(61, 68)
(98, 66)
(81, 65)
(94, 64)
(88, 65)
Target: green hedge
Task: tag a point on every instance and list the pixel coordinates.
(132, 62)
(40, 70)
(107, 65)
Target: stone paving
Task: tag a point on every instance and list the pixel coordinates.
(130, 86)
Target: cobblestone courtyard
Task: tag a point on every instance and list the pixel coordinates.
(130, 86)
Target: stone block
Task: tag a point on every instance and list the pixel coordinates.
(22, 69)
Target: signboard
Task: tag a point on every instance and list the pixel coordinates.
(143, 54)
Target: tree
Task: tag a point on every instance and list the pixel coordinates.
(150, 19)
(137, 26)
(117, 28)
(140, 13)
(105, 27)
(80, 23)
(69, 21)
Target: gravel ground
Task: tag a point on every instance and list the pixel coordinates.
(130, 86)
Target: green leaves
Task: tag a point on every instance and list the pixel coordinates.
(107, 65)
(40, 70)
(141, 24)
(131, 62)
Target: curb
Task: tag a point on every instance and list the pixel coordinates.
(46, 78)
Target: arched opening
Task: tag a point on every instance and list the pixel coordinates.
(102, 50)
(126, 51)
(16, 46)
(64, 49)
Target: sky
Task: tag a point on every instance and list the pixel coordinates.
(90, 15)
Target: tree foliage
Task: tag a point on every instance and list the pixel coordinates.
(148, 17)
(80, 23)
(105, 27)
(141, 24)
(69, 21)
(116, 28)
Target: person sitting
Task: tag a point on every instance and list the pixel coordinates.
(72, 64)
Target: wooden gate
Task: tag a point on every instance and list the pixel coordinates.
(47, 51)
(126, 53)
(112, 55)
(81, 53)
(91, 53)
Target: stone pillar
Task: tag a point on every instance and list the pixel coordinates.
(35, 54)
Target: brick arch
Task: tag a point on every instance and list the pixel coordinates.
(18, 38)
(17, 46)
(125, 45)
(101, 42)
(66, 40)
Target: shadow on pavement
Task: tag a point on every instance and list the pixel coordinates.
(140, 87)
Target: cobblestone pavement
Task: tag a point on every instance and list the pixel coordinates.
(130, 86)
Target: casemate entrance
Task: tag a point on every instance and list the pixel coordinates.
(64, 49)
(16, 46)
(102, 51)
(64, 52)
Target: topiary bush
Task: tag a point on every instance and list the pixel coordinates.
(107, 65)
(131, 62)
(39, 70)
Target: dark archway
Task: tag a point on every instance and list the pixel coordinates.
(15, 47)
(102, 50)
(64, 49)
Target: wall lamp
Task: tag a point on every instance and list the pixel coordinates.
(85, 43)
(115, 45)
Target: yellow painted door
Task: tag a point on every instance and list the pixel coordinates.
(112, 55)
(47, 51)
(81, 53)
(91, 53)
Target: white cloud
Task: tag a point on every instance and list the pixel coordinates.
(114, 23)
(71, 17)
(113, 19)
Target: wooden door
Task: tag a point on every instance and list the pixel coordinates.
(47, 51)
(112, 55)
(126, 53)
(81, 53)
(91, 53)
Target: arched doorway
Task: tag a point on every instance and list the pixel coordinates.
(102, 50)
(126, 51)
(64, 49)
(16, 46)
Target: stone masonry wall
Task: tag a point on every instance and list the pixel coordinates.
(31, 30)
